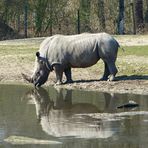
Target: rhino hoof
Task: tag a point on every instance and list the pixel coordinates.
(103, 79)
(111, 78)
(58, 83)
(68, 81)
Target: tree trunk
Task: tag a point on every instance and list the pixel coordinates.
(85, 15)
(25, 18)
(121, 17)
(139, 14)
(133, 17)
(18, 22)
(146, 13)
(51, 16)
(101, 15)
(78, 21)
(40, 10)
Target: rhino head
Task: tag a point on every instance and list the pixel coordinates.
(41, 71)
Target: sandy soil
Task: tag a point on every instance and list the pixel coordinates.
(83, 78)
(86, 81)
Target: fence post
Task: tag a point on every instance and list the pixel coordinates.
(78, 21)
(25, 18)
(133, 17)
(51, 16)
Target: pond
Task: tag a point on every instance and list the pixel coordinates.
(60, 118)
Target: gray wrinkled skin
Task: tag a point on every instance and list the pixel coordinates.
(61, 53)
(41, 73)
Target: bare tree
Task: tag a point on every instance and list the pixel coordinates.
(40, 12)
(121, 17)
(25, 17)
(101, 15)
(78, 22)
(85, 15)
(146, 13)
(139, 14)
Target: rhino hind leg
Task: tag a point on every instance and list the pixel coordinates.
(112, 69)
(68, 75)
(106, 72)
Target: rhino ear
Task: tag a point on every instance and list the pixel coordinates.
(37, 54)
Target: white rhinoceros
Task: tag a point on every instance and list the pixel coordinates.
(61, 53)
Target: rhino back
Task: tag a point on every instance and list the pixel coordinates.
(76, 51)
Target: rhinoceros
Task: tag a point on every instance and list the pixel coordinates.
(60, 53)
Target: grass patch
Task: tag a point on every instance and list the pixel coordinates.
(133, 61)
(126, 68)
(16, 49)
(134, 50)
(18, 53)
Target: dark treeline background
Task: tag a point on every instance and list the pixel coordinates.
(30, 18)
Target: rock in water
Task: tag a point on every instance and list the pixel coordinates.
(130, 104)
(21, 140)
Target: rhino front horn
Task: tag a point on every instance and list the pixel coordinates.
(27, 78)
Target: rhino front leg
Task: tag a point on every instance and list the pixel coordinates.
(59, 73)
(68, 75)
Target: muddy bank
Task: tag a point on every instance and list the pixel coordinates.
(123, 84)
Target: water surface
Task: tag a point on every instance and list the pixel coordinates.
(77, 119)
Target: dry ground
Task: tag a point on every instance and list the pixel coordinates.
(17, 56)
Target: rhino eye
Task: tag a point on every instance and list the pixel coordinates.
(41, 62)
(38, 73)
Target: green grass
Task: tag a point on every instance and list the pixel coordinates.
(16, 49)
(125, 68)
(26, 49)
(134, 50)
(133, 61)
(21, 52)
(26, 53)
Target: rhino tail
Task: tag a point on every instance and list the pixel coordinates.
(123, 49)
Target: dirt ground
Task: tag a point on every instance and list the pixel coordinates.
(85, 79)
(123, 84)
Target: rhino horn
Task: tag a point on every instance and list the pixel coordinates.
(27, 78)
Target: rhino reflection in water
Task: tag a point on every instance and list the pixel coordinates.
(60, 118)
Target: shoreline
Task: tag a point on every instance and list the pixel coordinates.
(136, 86)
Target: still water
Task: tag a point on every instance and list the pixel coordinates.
(60, 118)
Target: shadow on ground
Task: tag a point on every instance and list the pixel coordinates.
(118, 78)
(132, 77)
